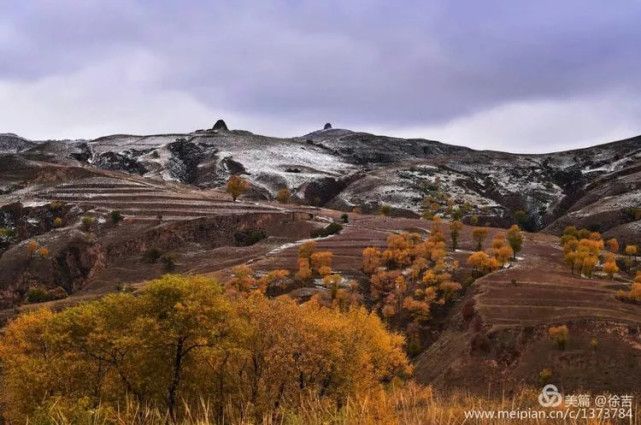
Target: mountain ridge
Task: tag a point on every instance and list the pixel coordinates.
(345, 169)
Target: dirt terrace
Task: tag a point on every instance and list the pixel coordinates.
(139, 201)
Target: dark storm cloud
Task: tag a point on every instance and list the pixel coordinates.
(368, 64)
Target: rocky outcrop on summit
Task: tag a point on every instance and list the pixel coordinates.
(328, 126)
(220, 125)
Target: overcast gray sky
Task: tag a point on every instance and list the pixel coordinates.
(517, 75)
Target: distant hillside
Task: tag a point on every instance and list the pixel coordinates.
(598, 187)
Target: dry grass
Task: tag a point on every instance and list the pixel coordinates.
(411, 405)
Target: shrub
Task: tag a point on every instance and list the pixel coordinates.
(56, 206)
(331, 229)
(168, 262)
(87, 223)
(42, 295)
(631, 250)
(283, 196)
(560, 335)
(152, 255)
(6, 237)
(38, 295)
(57, 222)
(116, 216)
(521, 216)
(33, 246)
(249, 237)
(386, 210)
(631, 214)
(345, 218)
(544, 376)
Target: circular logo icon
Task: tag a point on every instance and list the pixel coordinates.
(550, 396)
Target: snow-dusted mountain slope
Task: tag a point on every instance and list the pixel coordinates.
(346, 170)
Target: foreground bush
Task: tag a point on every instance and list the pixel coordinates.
(180, 341)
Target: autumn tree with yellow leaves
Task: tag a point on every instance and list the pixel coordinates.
(180, 341)
(236, 186)
(283, 196)
(482, 262)
(634, 294)
(411, 274)
(515, 239)
(581, 250)
(455, 230)
(610, 266)
(479, 235)
(560, 335)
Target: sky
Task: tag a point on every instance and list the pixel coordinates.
(514, 75)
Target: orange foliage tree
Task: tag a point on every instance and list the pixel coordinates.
(479, 234)
(411, 274)
(236, 186)
(482, 262)
(372, 260)
(283, 196)
(321, 262)
(581, 250)
(179, 341)
(455, 230)
(515, 239)
(33, 246)
(610, 266)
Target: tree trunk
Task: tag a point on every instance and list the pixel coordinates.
(175, 381)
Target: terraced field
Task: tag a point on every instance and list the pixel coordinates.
(141, 201)
(546, 292)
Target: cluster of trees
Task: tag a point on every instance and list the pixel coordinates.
(582, 249)
(634, 294)
(181, 342)
(583, 252)
(312, 263)
(411, 274)
(244, 281)
(342, 294)
(440, 203)
(504, 247)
